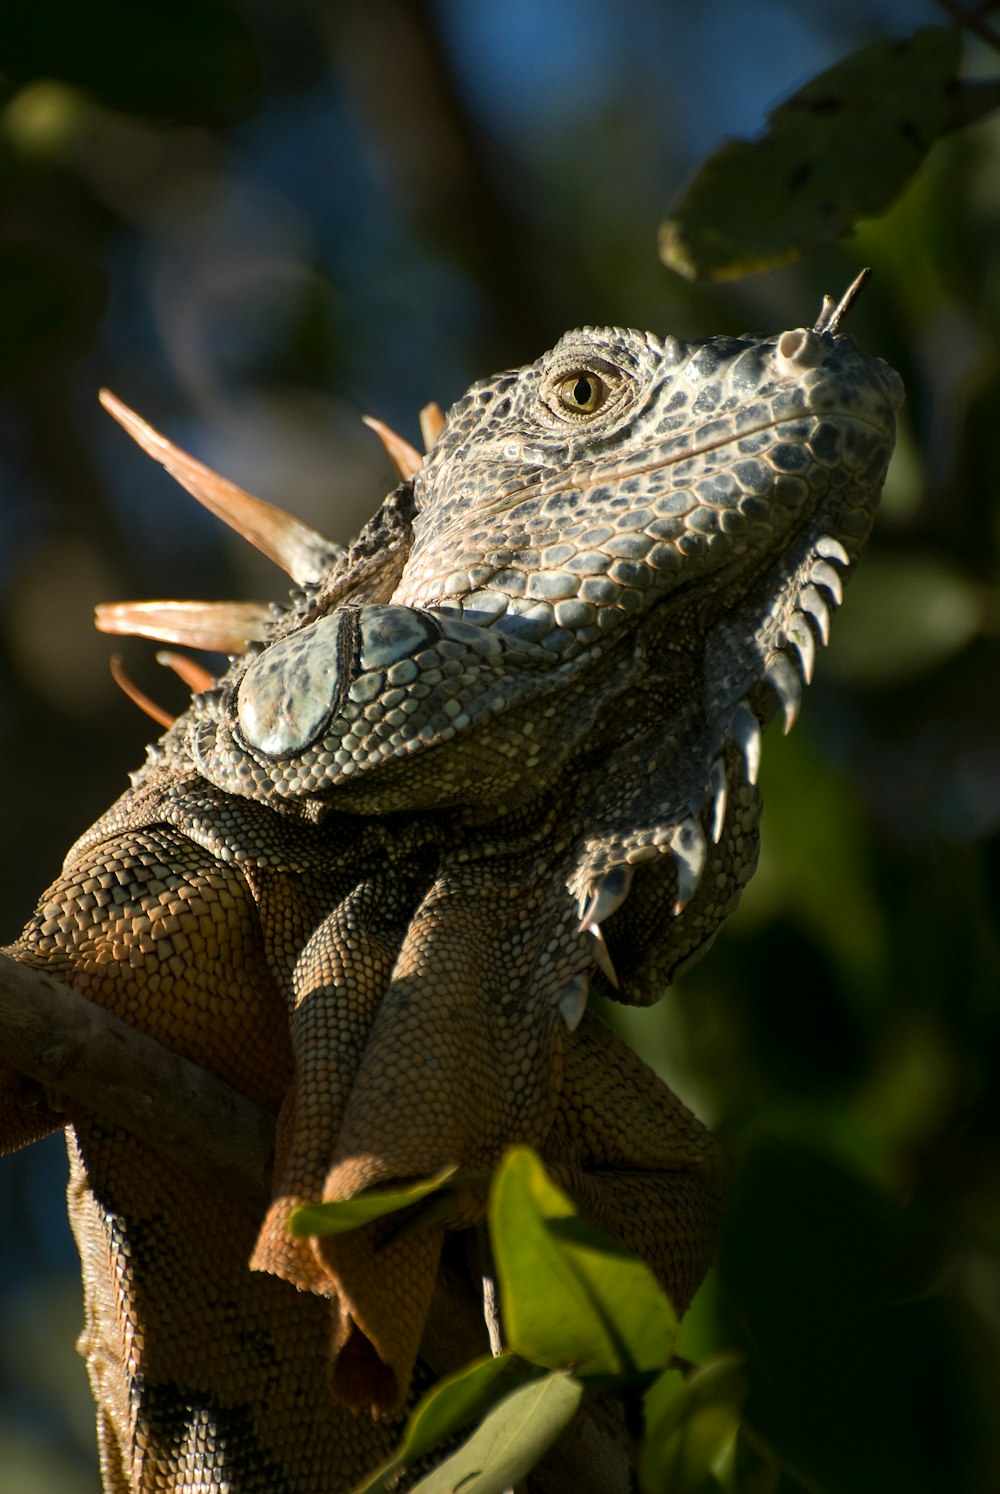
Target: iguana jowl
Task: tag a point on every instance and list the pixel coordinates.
(507, 744)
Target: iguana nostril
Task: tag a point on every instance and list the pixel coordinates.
(801, 348)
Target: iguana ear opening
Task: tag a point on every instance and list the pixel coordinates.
(368, 693)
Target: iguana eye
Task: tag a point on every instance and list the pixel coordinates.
(581, 383)
(582, 393)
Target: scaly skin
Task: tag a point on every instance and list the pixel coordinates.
(506, 745)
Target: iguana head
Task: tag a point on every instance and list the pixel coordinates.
(623, 554)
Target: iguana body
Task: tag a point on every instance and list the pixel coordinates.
(506, 745)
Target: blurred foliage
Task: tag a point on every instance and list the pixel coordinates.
(255, 221)
(758, 204)
(188, 61)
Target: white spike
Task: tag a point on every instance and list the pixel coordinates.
(831, 549)
(719, 788)
(605, 896)
(810, 601)
(832, 313)
(827, 307)
(573, 1001)
(744, 729)
(824, 574)
(602, 956)
(690, 851)
(800, 635)
(787, 686)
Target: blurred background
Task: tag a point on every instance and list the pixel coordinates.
(256, 222)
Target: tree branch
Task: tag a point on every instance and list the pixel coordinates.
(59, 1038)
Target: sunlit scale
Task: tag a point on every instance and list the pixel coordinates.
(289, 692)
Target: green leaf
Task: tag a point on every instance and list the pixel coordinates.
(568, 1295)
(352, 1213)
(511, 1440)
(690, 1427)
(839, 149)
(452, 1404)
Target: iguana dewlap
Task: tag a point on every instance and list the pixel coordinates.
(505, 746)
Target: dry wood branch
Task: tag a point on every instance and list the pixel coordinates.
(69, 1045)
(66, 1043)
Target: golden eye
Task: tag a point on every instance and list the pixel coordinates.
(582, 393)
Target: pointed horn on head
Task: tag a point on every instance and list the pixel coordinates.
(404, 457)
(187, 669)
(431, 424)
(219, 627)
(300, 552)
(136, 696)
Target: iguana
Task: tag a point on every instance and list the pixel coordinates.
(504, 746)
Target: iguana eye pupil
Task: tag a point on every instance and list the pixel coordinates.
(582, 393)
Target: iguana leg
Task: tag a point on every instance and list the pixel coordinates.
(334, 968)
(205, 1373)
(460, 1059)
(397, 1085)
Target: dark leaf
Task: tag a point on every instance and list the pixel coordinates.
(838, 150)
